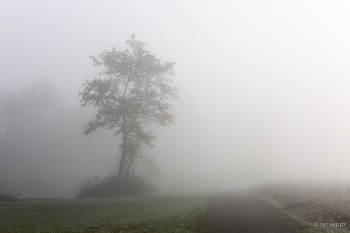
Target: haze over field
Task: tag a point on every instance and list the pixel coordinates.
(263, 89)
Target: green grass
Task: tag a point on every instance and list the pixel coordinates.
(160, 213)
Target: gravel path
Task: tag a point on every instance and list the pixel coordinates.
(242, 213)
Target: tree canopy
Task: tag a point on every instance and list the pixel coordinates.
(132, 90)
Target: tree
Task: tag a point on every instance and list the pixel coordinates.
(33, 131)
(133, 92)
(30, 112)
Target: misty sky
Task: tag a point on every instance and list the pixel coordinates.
(263, 85)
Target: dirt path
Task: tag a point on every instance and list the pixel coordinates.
(239, 212)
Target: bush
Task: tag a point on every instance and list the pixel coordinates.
(8, 197)
(110, 187)
(89, 183)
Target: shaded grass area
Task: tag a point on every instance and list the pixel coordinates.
(309, 206)
(161, 213)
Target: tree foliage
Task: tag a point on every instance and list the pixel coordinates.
(133, 90)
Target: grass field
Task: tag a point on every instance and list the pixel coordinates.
(159, 213)
(310, 206)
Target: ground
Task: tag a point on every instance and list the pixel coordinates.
(218, 212)
(240, 212)
(156, 213)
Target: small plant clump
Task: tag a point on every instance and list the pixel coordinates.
(6, 197)
(108, 187)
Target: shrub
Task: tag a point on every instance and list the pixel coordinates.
(8, 197)
(89, 183)
(110, 187)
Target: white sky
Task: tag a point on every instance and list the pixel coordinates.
(263, 85)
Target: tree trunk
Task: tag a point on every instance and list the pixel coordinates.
(123, 158)
(129, 165)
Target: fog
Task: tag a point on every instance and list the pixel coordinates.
(263, 91)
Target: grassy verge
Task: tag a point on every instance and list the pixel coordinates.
(161, 213)
(309, 207)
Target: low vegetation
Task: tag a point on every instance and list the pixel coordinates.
(132, 186)
(8, 196)
(156, 213)
(310, 206)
